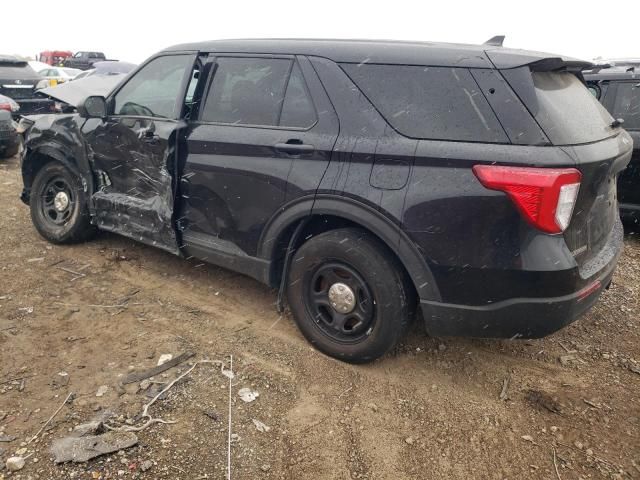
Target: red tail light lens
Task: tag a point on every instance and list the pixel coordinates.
(544, 196)
(5, 106)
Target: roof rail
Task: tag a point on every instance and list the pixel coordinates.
(496, 41)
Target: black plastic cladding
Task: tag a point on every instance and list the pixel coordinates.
(238, 195)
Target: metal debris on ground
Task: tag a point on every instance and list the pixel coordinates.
(152, 372)
(504, 394)
(261, 427)
(247, 395)
(82, 449)
(145, 410)
(164, 358)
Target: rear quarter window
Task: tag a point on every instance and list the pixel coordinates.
(567, 111)
(429, 102)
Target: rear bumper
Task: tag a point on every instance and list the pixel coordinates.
(522, 317)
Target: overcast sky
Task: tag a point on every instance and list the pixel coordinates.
(132, 30)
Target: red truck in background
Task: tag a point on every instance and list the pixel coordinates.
(54, 57)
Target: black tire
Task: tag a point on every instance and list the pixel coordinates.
(382, 311)
(69, 225)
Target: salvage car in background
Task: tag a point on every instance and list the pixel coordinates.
(59, 74)
(84, 60)
(298, 163)
(54, 57)
(618, 88)
(20, 82)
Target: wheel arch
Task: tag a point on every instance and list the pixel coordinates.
(37, 157)
(337, 212)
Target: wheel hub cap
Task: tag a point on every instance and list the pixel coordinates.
(342, 298)
(61, 201)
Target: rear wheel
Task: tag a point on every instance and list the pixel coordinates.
(58, 202)
(348, 296)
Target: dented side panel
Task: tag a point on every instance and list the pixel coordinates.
(134, 160)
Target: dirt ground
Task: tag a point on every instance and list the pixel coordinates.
(432, 409)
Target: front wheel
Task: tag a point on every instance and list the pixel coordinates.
(58, 203)
(348, 295)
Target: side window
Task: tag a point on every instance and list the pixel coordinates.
(298, 110)
(434, 103)
(627, 104)
(78, 55)
(247, 91)
(155, 90)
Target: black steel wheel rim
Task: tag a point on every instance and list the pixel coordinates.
(57, 212)
(350, 327)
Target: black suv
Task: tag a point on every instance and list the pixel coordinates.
(363, 179)
(20, 82)
(618, 89)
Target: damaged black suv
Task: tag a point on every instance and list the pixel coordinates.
(362, 179)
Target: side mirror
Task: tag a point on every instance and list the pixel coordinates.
(93, 107)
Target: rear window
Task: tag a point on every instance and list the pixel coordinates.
(627, 104)
(567, 111)
(17, 71)
(429, 102)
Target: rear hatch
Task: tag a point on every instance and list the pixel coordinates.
(575, 121)
(17, 79)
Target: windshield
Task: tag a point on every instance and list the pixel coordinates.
(566, 110)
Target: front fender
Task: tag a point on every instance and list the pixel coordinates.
(58, 137)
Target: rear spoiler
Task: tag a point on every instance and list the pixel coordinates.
(560, 64)
(507, 58)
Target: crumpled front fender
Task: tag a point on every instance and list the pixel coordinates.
(56, 137)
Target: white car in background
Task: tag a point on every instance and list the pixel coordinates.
(59, 74)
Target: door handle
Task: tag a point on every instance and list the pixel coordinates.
(294, 148)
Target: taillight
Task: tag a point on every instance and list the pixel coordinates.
(5, 106)
(544, 196)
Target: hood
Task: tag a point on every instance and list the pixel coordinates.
(75, 92)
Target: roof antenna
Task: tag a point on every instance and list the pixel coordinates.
(495, 41)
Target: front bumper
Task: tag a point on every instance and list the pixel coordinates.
(522, 317)
(32, 106)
